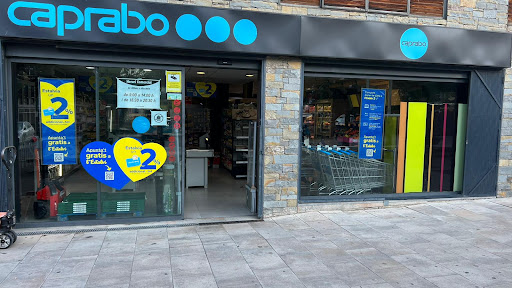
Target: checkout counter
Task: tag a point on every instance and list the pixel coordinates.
(197, 167)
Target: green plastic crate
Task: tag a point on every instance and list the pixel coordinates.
(123, 202)
(78, 203)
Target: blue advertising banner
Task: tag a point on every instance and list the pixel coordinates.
(58, 128)
(372, 123)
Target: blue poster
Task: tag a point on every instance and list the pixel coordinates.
(58, 126)
(372, 123)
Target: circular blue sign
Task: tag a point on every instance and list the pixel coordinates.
(141, 125)
(188, 27)
(414, 43)
(217, 29)
(245, 32)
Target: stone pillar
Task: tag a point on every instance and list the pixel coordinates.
(282, 133)
(505, 169)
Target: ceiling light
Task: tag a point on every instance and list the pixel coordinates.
(249, 75)
(147, 70)
(89, 67)
(200, 73)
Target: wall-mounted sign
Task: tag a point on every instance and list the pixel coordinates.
(414, 43)
(138, 93)
(127, 160)
(58, 128)
(158, 118)
(372, 122)
(173, 81)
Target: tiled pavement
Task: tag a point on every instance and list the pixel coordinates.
(437, 244)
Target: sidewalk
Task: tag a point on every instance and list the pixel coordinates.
(462, 243)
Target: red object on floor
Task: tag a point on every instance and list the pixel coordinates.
(54, 193)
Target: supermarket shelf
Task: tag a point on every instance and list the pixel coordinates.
(242, 162)
(242, 150)
(242, 137)
(241, 176)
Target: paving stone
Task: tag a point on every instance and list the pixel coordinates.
(52, 242)
(403, 278)
(113, 275)
(478, 275)
(354, 273)
(213, 234)
(187, 250)
(270, 230)
(160, 277)
(451, 281)
(150, 260)
(66, 282)
(380, 285)
(5, 269)
(454, 248)
(228, 265)
(73, 267)
(422, 266)
(23, 280)
(281, 277)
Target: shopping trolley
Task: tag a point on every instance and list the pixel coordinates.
(340, 172)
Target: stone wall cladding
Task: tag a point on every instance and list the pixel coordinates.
(281, 160)
(488, 15)
(281, 152)
(505, 169)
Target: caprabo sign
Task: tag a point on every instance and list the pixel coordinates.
(414, 43)
(64, 18)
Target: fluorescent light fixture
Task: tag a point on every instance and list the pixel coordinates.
(147, 70)
(89, 67)
(249, 75)
(201, 72)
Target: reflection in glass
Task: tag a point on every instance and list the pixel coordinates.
(331, 120)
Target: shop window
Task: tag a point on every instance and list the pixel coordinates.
(434, 8)
(413, 143)
(131, 162)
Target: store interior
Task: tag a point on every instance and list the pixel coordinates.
(331, 120)
(220, 105)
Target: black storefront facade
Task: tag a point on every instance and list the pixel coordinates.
(438, 82)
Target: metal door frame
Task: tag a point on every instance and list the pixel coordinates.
(130, 62)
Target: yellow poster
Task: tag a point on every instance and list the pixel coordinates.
(58, 127)
(173, 80)
(138, 160)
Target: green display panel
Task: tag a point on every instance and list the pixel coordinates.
(415, 147)
(460, 149)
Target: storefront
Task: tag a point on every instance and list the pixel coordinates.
(112, 120)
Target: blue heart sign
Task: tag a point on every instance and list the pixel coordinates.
(98, 160)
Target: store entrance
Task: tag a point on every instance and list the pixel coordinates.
(221, 108)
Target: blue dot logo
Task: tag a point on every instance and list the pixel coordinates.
(189, 27)
(217, 29)
(141, 125)
(245, 32)
(414, 43)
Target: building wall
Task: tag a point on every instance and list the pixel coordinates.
(283, 84)
(282, 120)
